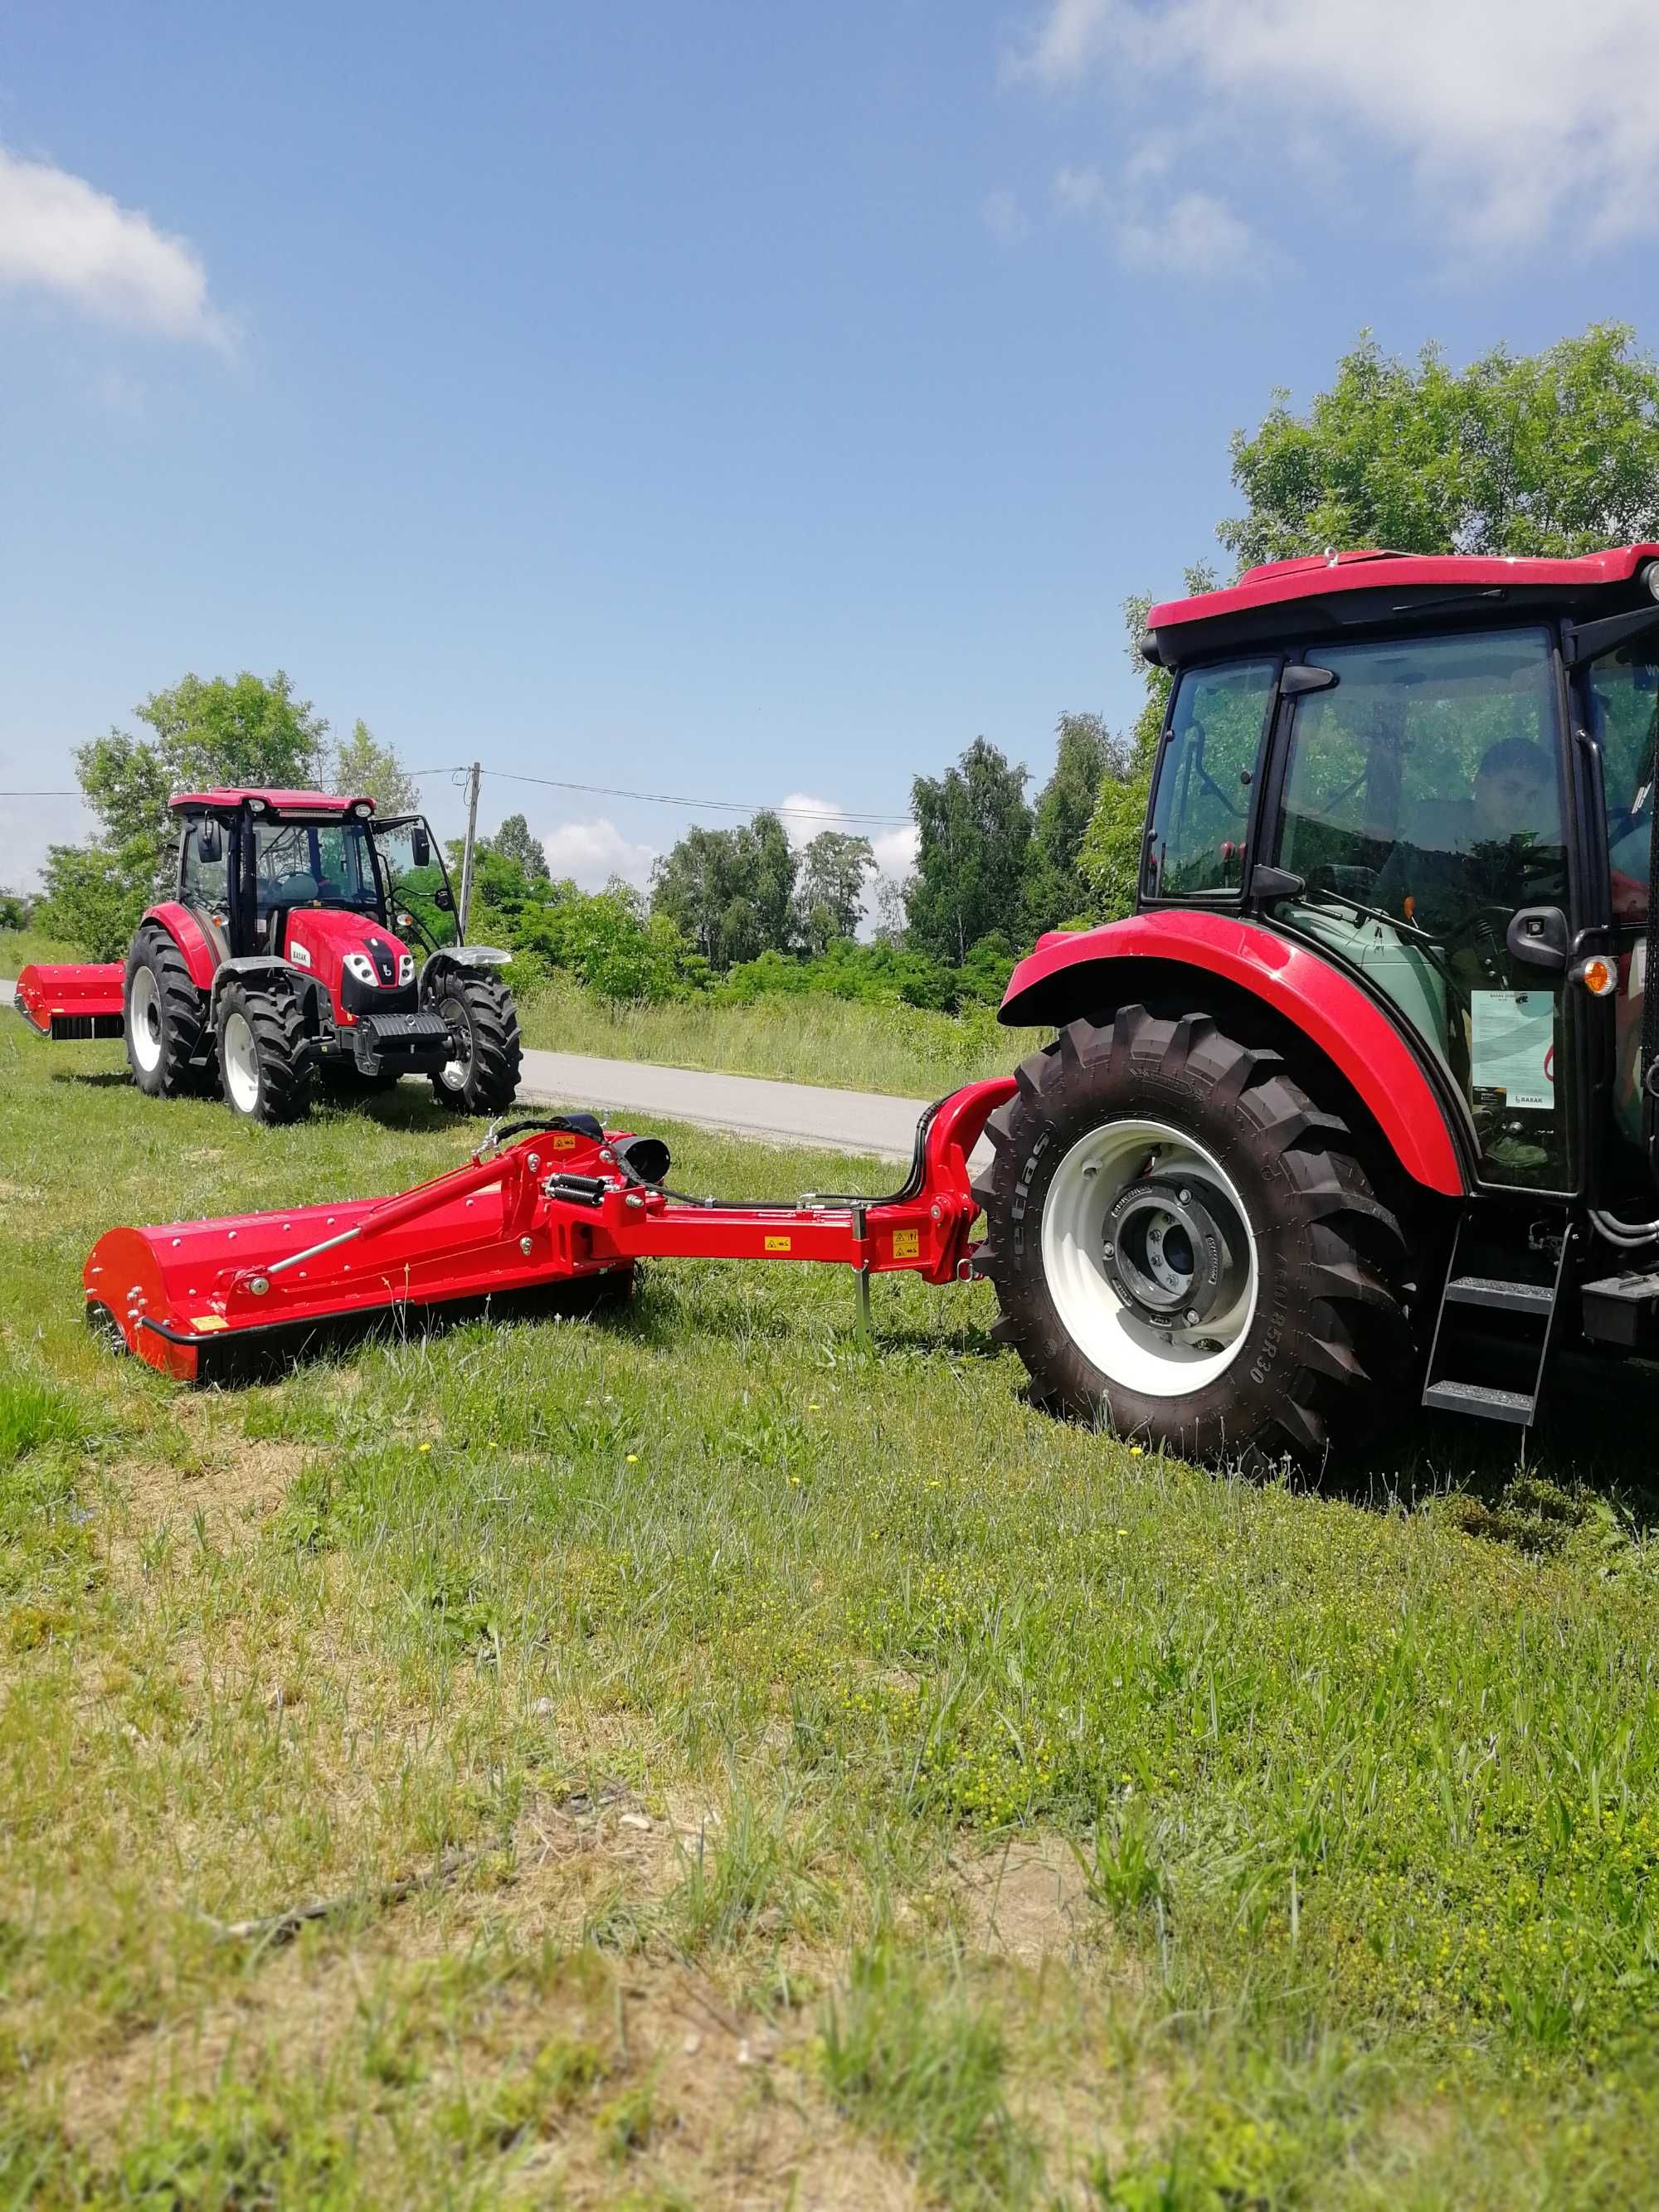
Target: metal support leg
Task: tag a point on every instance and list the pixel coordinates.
(861, 1321)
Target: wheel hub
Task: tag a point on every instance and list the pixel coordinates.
(1175, 1251)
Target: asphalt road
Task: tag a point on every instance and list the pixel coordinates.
(779, 1113)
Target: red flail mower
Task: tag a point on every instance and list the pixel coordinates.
(1360, 1107)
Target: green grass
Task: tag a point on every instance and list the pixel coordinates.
(18, 947)
(741, 1761)
(902, 1050)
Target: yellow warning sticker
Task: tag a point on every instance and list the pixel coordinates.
(777, 1244)
(208, 1321)
(907, 1243)
(564, 1140)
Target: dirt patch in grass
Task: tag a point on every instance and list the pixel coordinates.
(236, 1483)
(1028, 1901)
(687, 2098)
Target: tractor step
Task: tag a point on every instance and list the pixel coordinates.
(1499, 1297)
(1461, 1348)
(1483, 1399)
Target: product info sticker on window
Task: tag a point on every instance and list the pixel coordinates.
(1512, 1047)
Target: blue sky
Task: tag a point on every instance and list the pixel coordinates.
(739, 401)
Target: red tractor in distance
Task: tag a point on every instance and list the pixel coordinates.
(306, 939)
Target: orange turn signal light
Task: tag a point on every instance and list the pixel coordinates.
(1598, 975)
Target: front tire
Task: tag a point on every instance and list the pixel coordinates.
(1182, 1244)
(264, 1054)
(482, 1077)
(165, 1017)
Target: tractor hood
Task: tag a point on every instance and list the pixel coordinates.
(321, 940)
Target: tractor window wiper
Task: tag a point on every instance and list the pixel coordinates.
(1318, 895)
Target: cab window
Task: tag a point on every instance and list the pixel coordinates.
(201, 883)
(1201, 807)
(1624, 709)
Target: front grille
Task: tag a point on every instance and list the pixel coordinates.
(359, 998)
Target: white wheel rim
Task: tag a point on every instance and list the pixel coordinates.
(457, 1071)
(241, 1056)
(144, 1020)
(1156, 1360)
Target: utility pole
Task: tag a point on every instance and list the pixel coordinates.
(473, 774)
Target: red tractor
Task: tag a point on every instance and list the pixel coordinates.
(305, 939)
(1360, 1106)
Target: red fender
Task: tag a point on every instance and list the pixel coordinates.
(187, 933)
(1333, 1014)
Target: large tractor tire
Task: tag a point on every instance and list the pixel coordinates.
(1184, 1246)
(265, 1058)
(165, 1016)
(483, 1077)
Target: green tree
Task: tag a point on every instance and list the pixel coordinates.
(1056, 889)
(731, 892)
(514, 842)
(246, 731)
(364, 768)
(1108, 859)
(1552, 452)
(830, 898)
(974, 828)
(613, 944)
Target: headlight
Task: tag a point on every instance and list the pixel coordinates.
(406, 968)
(359, 965)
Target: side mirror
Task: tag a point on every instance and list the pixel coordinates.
(210, 842)
(419, 847)
(444, 899)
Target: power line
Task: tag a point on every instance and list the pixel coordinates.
(39, 795)
(669, 798)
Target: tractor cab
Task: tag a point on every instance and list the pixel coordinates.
(253, 864)
(1394, 888)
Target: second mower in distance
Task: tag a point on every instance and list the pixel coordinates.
(307, 940)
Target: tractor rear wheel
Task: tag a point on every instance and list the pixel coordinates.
(482, 1077)
(264, 1054)
(1184, 1245)
(166, 1015)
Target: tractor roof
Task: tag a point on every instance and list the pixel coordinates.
(1290, 601)
(227, 800)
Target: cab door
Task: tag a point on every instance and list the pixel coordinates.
(1423, 813)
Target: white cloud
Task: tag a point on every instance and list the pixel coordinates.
(803, 816)
(1071, 37)
(1003, 217)
(591, 853)
(60, 234)
(1194, 234)
(1511, 118)
(1197, 233)
(1081, 191)
(895, 850)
